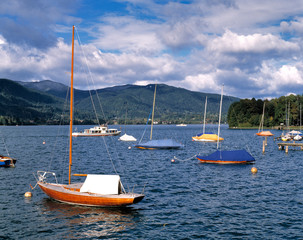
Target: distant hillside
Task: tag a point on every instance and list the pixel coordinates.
(18, 102)
(43, 102)
(53, 88)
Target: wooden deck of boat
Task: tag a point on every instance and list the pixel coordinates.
(285, 145)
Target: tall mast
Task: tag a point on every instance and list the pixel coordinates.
(262, 118)
(152, 123)
(71, 111)
(220, 117)
(205, 114)
(300, 116)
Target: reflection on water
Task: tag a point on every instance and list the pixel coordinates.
(89, 222)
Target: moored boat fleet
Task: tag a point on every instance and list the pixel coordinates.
(106, 190)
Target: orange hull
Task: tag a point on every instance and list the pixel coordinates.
(265, 134)
(64, 193)
(224, 162)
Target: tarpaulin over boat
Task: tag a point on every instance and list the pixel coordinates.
(208, 137)
(101, 184)
(265, 133)
(160, 144)
(229, 156)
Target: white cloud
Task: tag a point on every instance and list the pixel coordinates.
(198, 45)
(293, 26)
(127, 34)
(256, 43)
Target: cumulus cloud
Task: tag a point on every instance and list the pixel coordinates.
(250, 46)
(256, 43)
(295, 26)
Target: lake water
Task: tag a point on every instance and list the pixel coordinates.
(184, 200)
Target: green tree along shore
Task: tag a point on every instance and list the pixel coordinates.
(247, 112)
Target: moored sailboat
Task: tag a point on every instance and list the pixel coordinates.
(206, 136)
(97, 190)
(226, 156)
(158, 144)
(261, 132)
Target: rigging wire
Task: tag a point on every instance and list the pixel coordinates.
(6, 149)
(146, 125)
(241, 131)
(102, 110)
(58, 131)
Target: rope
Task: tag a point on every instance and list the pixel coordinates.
(6, 149)
(184, 160)
(146, 125)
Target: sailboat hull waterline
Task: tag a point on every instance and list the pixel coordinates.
(71, 194)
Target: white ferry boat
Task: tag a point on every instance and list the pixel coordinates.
(97, 131)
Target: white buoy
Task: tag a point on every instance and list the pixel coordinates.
(129, 147)
(173, 160)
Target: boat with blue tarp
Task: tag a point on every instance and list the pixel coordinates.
(228, 157)
(157, 144)
(160, 144)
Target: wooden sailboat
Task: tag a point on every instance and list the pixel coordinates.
(97, 190)
(226, 156)
(260, 131)
(158, 144)
(206, 136)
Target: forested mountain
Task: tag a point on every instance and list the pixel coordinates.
(44, 102)
(247, 113)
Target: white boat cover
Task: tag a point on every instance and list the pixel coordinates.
(127, 138)
(101, 184)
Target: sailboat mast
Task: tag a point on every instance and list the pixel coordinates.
(300, 116)
(71, 110)
(220, 117)
(205, 114)
(262, 118)
(152, 123)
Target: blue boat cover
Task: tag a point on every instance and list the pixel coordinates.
(160, 144)
(200, 134)
(233, 155)
(5, 163)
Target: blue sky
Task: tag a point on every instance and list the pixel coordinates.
(253, 47)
